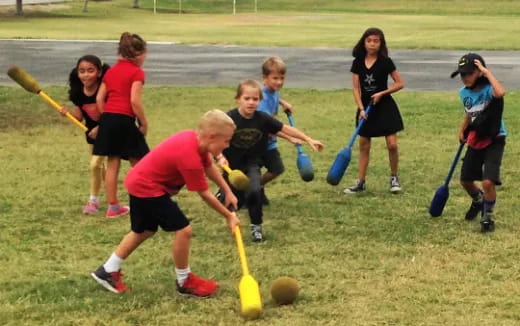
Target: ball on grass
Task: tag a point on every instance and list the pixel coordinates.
(284, 290)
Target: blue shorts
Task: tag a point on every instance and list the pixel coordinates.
(147, 214)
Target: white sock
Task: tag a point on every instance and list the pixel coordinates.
(182, 274)
(113, 263)
(93, 198)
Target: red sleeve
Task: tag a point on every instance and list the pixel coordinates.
(139, 75)
(206, 160)
(195, 179)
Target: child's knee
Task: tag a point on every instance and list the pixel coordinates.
(184, 232)
(96, 163)
(364, 147)
(392, 147)
(488, 185)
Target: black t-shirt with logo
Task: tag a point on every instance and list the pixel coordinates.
(384, 118)
(375, 78)
(250, 138)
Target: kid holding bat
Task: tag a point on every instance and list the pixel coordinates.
(370, 70)
(84, 82)
(484, 132)
(249, 144)
(183, 159)
(273, 77)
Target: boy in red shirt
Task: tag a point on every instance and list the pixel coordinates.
(182, 159)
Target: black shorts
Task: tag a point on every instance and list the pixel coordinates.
(272, 161)
(483, 164)
(118, 135)
(147, 214)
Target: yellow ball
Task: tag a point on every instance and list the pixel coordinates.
(284, 290)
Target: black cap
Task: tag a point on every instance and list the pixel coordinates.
(467, 64)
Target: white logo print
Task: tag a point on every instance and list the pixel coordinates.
(369, 79)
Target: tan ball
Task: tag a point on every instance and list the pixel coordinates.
(284, 290)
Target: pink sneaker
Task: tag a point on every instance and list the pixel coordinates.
(90, 208)
(122, 210)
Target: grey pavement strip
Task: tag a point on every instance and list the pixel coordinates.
(170, 64)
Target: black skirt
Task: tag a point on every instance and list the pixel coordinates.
(384, 119)
(118, 135)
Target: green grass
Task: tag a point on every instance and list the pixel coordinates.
(377, 259)
(407, 24)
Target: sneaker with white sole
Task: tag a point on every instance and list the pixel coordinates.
(487, 223)
(395, 186)
(91, 208)
(197, 286)
(256, 233)
(110, 281)
(115, 213)
(356, 188)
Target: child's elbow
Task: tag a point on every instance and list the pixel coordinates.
(500, 93)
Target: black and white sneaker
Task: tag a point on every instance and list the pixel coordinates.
(487, 223)
(357, 187)
(475, 208)
(395, 186)
(110, 281)
(220, 196)
(256, 233)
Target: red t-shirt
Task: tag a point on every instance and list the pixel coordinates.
(169, 166)
(118, 80)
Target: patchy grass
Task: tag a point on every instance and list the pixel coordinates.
(376, 259)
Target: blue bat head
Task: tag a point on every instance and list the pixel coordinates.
(339, 166)
(305, 167)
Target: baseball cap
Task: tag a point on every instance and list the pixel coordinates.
(467, 63)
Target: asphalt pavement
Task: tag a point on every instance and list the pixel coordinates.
(50, 61)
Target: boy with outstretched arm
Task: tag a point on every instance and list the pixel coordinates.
(249, 143)
(273, 78)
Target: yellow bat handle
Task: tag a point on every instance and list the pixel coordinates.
(241, 251)
(58, 108)
(226, 168)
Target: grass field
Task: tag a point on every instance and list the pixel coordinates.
(377, 259)
(427, 24)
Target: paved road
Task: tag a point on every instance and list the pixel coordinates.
(202, 65)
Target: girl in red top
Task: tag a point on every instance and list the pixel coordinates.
(84, 81)
(119, 100)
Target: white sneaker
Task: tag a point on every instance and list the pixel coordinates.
(395, 187)
(356, 188)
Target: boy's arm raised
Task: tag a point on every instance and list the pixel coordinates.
(498, 89)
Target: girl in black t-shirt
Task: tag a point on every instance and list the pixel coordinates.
(370, 70)
(84, 81)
